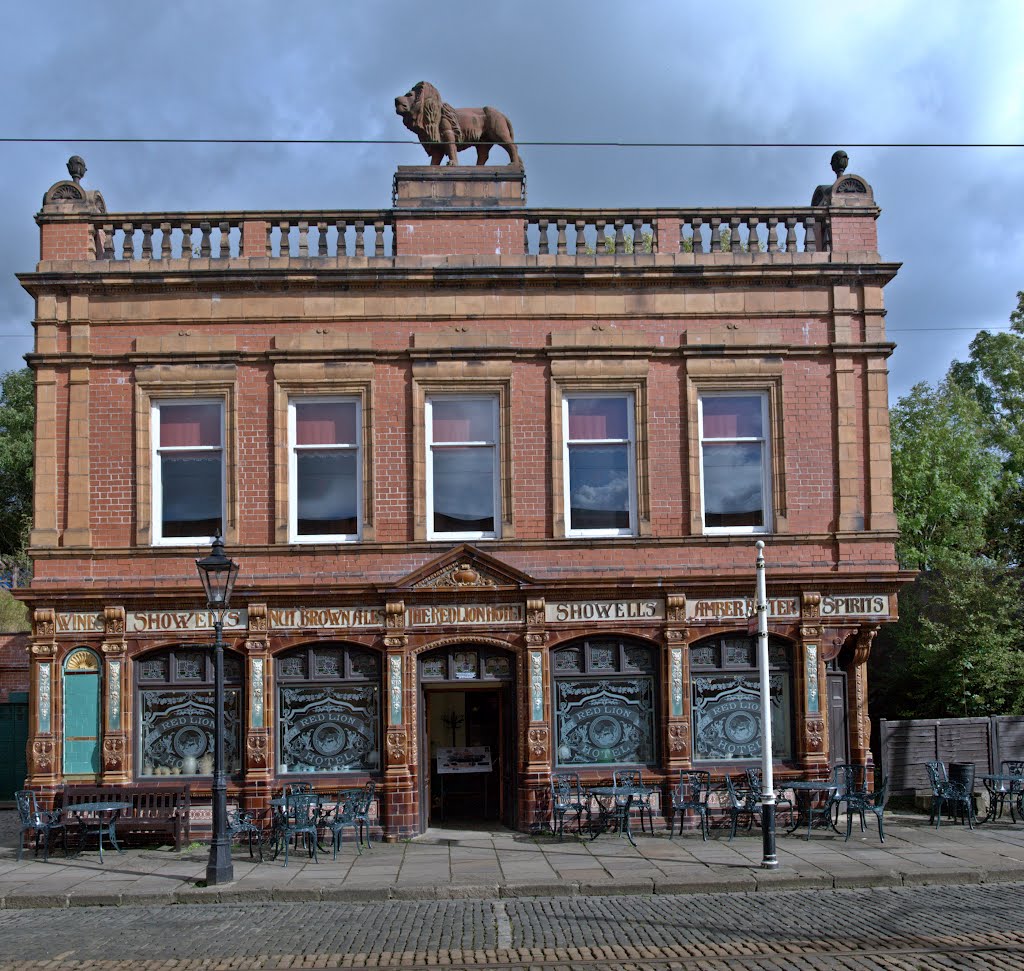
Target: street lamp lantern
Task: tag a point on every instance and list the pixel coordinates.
(218, 572)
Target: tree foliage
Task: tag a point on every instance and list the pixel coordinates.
(958, 484)
(17, 419)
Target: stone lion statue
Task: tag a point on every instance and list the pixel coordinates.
(444, 130)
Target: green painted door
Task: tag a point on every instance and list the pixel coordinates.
(13, 739)
(81, 722)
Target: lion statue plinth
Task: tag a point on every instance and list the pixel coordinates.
(445, 131)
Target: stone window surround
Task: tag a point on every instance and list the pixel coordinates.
(316, 380)
(737, 375)
(462, 378)
(600, 377)
(178, 382)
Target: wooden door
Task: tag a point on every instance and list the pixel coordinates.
(81, 723)
(838, 719)
(13, 739)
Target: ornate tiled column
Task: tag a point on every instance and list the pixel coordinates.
(259, 758)
(857, 699)
(676, 674)
(535, 711)
(809, 671)
(117, 755)
(44, 752)
(400, 807)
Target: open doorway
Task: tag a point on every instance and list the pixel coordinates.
(467, 737)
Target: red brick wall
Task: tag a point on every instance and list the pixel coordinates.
(65, 241)
(13, 664)
(462, 237)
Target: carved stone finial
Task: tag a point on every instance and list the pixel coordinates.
(840, 161)
(76, 167)
(445, 131)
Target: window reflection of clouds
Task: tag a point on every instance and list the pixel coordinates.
(732, 478)
(464, 482)
(599, 478)
(327, 485)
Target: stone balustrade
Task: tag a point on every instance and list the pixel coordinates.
(340, 236)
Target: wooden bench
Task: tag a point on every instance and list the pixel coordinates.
(163, 810)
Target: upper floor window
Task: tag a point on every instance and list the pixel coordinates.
(735, 462)
(324, 469)
(599, 463)
(188, 471)
(463, 474)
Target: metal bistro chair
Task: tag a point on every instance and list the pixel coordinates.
(633, 779)
(363, 810)
(1011, 792)
(301, 818)
(753, 777)
(851, 784)
(345, 815)
(41, 822)
(567, 795)
(742, 802)
(958, 796)
(243, 821)
(863, 802)
(691, 792)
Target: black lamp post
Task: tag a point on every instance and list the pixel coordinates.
(218, 574)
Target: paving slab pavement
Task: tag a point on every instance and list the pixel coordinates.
(460, 864)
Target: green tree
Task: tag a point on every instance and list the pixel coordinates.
(994, 376)
(945, 478)
(17, 421)
(958, 484)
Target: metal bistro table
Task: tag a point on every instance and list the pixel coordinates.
(614, 804)
(97, 818)
(807, 792)
(1002, 787)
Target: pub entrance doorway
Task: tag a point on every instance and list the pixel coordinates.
(467, 737)
(838, 719)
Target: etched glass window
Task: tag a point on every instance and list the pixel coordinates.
(176, 713)
(605, 704)
(324, 469)
(188, 471)
(735, 462)
(463, 481)
(328, 710)
(600, 466)
(727, 702)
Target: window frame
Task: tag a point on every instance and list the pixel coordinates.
(630, 442)
(495, 448)
(157, 403)
(293, 477)
(765, 441)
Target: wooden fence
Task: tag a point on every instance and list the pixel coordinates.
(906, 746)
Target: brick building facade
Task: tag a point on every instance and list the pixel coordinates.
(493, 476)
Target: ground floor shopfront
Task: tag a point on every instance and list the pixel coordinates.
(458, 694)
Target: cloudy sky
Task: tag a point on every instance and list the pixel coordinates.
(787, 71)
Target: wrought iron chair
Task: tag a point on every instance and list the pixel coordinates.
(567, 795)
(850, 781)
(345, 815)
(956, 795)
(243, 821)
(363, 810)
(633, 779)
(1015, 793)
(691, 792)
(862, 802)
(301, 818)
(42, 822)
(753, 777)
(743, 801)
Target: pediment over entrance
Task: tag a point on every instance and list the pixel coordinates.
(464, 568)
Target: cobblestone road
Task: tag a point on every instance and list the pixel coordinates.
(906, 929)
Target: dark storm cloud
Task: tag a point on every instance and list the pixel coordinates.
(561, 70)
